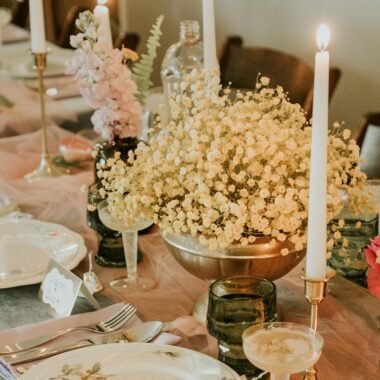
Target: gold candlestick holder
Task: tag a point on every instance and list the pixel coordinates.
(46, 167)
(315, 292)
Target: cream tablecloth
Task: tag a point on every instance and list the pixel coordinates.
(349, 317)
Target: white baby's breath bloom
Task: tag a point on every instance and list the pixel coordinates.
(346, 134)
(264, 81)
(284, 251)
(91, 207)
(235, 168)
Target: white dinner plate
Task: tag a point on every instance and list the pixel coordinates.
(26, 245)
(134, 361)
(20, 65)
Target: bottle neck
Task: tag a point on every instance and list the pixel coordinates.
(189, 31)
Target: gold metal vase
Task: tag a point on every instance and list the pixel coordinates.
(257, 259)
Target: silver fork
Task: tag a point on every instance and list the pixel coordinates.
(104, 327)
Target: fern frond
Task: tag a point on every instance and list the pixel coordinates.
(142, 70)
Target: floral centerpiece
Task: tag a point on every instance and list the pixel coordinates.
(227, 169)
(107, 83)
(115, 83)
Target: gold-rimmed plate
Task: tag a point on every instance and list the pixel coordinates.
(143, 361)
(26, 245)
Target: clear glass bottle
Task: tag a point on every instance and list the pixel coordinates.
(181, 58)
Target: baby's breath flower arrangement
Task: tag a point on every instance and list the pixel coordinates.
(227, 169)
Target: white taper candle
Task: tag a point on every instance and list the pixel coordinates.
(317, 223)
(37, 26)
(102, 13)
(209, 42)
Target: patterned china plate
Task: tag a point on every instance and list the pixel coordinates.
(132, 361)
(26, 245)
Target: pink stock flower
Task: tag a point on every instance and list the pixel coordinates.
(372, 255)
(105, 82)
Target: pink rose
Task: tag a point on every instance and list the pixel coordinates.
(372, 255)
(373, 281)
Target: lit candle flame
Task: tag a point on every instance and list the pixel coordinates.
(323, 36)
(102, 2)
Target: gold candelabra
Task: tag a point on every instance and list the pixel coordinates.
(315, 292)
(46, 167)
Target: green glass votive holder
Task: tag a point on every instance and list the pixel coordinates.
(236, 303)
(347, 256)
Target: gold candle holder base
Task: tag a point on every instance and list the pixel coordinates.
(46, 167)
(315, 292)
(310, 374)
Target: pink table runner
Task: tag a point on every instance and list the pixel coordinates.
(24, 116)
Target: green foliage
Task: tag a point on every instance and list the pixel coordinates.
(142, 70)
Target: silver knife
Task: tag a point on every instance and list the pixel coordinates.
(140, 333)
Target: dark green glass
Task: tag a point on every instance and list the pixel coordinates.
(236, 303)
(110, 251)
(349, 261)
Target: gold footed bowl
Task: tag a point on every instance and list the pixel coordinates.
(257, 259)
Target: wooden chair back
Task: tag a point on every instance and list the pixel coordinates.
(128, 40)
(21, 14)
(68, 27)
(241, 66)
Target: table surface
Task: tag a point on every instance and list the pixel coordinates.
(349, 317)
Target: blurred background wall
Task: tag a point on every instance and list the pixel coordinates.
(290, 26)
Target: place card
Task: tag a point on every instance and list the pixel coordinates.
(60, 289)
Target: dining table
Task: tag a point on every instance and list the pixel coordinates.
(349, 317)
